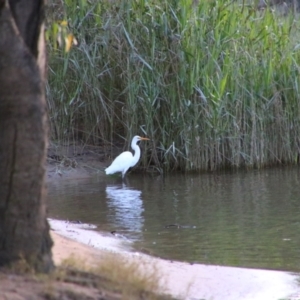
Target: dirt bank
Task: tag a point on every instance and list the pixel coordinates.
(74, 161)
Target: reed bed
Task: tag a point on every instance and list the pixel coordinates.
(214, 84)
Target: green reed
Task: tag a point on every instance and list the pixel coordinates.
(213, 84)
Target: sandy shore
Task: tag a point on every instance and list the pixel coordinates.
(182, 280)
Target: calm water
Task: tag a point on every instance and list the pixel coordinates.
(246, 219)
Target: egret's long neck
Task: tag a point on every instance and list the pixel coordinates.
(137, 154)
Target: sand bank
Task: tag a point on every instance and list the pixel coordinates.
(182, 280)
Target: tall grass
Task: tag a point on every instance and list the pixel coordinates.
(213, 84)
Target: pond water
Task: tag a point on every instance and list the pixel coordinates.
(245, 219)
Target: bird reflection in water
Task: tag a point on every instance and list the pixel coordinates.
(125, 210)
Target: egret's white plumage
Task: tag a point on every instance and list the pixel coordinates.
(126, 160)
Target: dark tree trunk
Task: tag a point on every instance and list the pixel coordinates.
(24, 230)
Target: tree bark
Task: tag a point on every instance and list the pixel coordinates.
(24, 230)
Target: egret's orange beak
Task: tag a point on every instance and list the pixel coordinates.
(144, 139)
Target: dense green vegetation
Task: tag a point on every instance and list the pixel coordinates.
(213, 84)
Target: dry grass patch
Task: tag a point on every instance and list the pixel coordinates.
(113, 278)
(120, 276)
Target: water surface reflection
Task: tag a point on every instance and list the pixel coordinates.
(249, 219)
(126, 208)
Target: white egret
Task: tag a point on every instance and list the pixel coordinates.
(126, 160)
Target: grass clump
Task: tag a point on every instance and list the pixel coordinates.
(116, 275)
(213, 84)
